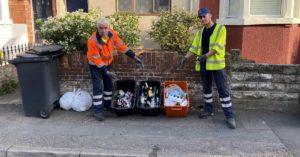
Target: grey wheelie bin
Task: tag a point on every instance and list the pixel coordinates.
(37, 71)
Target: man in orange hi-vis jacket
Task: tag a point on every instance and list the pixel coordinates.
(101, 45)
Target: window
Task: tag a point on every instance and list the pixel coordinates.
(42, 9)
(234, 6)
(73, 5)
(143, 6)
(265, 7)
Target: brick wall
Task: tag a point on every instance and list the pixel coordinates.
(159, 66)
(20, 13)
(253, 86)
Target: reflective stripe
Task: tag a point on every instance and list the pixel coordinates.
(97, 103)
(119, 44)
(193, 48)
(215, 62)
(91, 63)
(200, 38)
(208, 95)
(96, 57)
(100, 65)
(93, 38)
(97, 96)
(98, 44)
(107, 93)
(216, 44)
(226, 105)
(208, 100)
(225, 99)
(218, 33)
(107, 98)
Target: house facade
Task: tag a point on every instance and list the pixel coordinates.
(146, 9)
(14, 26)
(267, 31)
(19, 15)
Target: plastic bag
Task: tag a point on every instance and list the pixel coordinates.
(77, 100)
(82, 101)
(66, 100)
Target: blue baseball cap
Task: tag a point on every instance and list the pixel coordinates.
(203, 11)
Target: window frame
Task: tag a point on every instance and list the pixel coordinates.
(133, 6)
(228, 9)
(288, 14)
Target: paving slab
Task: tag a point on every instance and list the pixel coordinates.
(3, 150)
(41, 152)
(137, 135)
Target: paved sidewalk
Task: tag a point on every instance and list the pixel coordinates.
(69, 133)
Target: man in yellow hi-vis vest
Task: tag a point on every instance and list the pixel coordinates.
(209, 47)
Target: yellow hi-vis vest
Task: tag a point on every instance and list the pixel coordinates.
(217, 42)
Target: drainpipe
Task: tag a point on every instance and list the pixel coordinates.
(191, 6)
(33, 33)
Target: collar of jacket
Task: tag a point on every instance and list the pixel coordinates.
(98, 36)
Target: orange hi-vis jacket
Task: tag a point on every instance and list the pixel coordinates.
(101, 54)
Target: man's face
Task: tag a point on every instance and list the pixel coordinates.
(103, 30)
(205, 19)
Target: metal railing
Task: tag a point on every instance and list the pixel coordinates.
(10, 52)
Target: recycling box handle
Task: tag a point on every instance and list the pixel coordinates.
(176, 109)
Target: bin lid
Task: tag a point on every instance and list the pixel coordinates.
(29, 58)
(46, 50)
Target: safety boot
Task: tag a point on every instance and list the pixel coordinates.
(99, 116)
(231, 123)
(205, 114)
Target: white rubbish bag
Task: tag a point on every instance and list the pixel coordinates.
(82, 101)
(66, 100)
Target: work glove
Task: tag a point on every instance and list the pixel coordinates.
(113, 75)
(182, 62)
(138, 61)
(202, 58)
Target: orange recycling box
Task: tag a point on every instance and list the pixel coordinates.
(175, 98)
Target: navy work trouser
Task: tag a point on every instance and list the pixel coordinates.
(221, 82)
(102, 89)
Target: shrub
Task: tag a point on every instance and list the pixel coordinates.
(127, 26)
(71, 30)
(8, 86)
(175, 30)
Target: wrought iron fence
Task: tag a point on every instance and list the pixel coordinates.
(10, 52)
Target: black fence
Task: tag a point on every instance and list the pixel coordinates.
(10, 52)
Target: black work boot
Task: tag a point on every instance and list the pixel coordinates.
(231, 123)
(99, 116)
(205, 114)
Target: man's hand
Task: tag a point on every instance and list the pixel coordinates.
(182, 62)
(111, 74)
(138, 61)
(202, 58)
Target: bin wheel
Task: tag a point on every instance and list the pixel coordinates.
(44, 113)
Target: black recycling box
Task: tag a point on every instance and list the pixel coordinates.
(124, 97)
(149, 97)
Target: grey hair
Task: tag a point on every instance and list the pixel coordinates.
(102, 20)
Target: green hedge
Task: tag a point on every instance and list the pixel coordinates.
(175, 30)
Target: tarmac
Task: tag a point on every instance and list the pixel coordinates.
(78, 134)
